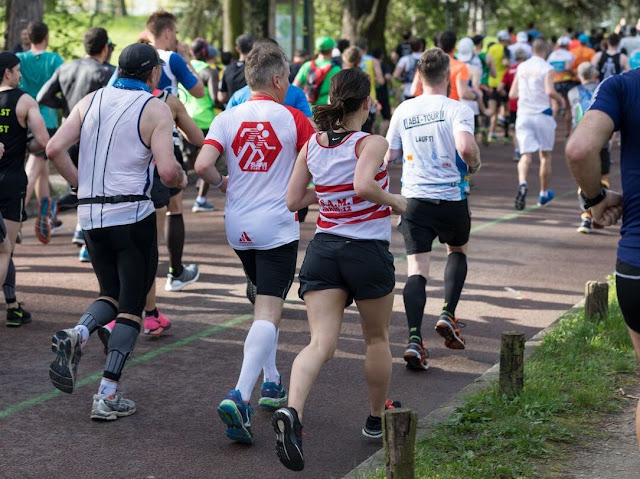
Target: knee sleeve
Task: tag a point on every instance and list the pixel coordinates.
(121, 343)
(98, 314)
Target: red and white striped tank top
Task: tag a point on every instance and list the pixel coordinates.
(341, 211)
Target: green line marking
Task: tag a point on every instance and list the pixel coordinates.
(21, 406)
(26, 404)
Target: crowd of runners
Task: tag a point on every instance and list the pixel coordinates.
(277, 137)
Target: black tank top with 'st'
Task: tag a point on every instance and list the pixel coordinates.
(13, 179)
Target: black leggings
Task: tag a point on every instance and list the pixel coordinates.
(628, 289)
(125, 259)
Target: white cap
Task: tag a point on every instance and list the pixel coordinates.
(503, 35)
(465, 49)
(564, 41)
(522, 37)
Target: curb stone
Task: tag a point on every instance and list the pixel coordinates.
(377, 461)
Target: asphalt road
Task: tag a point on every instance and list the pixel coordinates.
(525, 269)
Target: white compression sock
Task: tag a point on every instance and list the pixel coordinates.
(84, 332)
(270, 371)
(257, 346)
(107, 387)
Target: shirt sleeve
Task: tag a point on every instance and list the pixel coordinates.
(217, 133)
(303, 72)
(393, 133)
(304, 130)
(608, 98)
(181, 71)
(463, 119)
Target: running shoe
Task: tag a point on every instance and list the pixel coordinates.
(104, 333)
(251, 291)
(65, 345)
(448, 327)
(43, 222)
(545, 199)
(288, 438)
(373, 427)
(493, 138)
(416, 356)
(83, 254)
(585, 226)
(485, 136)
(516, 155)
(272, 395)
(56, 224)
(202, 207)
(18, 316)
(236, 415)
(19, 237)
(78, 238)
(155, 326)
(190, 274)
(521, 197)
(110, 408)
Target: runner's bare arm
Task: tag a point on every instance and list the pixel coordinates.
(624, 63)
(467, 148)
(371, 151)
(596, 59)
(377, 69)
(156, 124)
(205, 167)
(491, 64)
(550, 90)
(299, 194)
(583, 158)
(184, 122)
(67, 135)
(29, 116)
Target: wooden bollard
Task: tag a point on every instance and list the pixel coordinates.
(596, 300)
(399, 438)
(511, 364)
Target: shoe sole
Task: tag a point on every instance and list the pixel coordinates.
(14, 323)
(585, 231)
(231, 417)
(158, 331)
(414, 362)
(376, 435)
(202, 210)
(61, 369)
(98, 415)
(181, 284)
(544, 204)
(251, 292)
(451, 339)
(289, 453)
(520, 204)
(272, 403)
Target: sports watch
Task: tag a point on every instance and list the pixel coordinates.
(591, 202)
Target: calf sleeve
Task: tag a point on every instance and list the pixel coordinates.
(121, 343)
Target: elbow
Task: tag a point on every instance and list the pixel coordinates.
(363, 189)
(52, 151)
(292, 203)
(199, 167)
(575, 152)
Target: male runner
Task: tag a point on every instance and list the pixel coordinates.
(611, 61)
(116, 213)
(233, 75)
(261, 139)
(434, 137)
(315, 75)
(18, 113)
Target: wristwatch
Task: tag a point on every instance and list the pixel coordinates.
(591, 202)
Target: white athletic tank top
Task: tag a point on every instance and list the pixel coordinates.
(341, 211)
(113, 159)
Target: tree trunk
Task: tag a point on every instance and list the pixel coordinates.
(123, 8)
(232, 21)
(365, 19)
(258, 18)
(19, 14)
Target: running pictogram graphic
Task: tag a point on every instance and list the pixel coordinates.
(256, 146)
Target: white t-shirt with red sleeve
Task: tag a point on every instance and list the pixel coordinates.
(261, 139)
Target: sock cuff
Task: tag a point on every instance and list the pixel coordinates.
(417, 278)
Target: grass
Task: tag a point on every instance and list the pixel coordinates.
(570, 380)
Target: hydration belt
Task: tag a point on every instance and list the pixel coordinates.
(101, 200)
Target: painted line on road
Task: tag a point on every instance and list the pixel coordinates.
(26, 404)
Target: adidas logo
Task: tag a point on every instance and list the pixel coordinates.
(244, 238)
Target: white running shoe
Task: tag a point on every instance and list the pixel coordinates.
(110, 408)
(190, 274)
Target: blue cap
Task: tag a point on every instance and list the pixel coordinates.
(584, 38)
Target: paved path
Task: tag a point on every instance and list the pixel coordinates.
(525, 269)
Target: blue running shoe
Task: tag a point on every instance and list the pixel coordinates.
(83, 255)
(236, 414)
(78, 238)
(273, 395)
(545, 199)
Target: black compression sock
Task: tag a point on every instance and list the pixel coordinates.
(174, 232)
(455, 274)
(9, 286)
(153, 313)
(415, 299)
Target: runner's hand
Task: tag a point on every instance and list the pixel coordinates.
(400, 205)
(609, 210)
(225, 183)
(1, 150)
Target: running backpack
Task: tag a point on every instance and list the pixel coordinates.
(609, 65)
(585, 101)
(315, 77)
(407, 75)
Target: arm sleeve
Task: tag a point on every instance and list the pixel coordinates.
(463, 119)
(217, 133)
(181, 71)
(393, 134)
(304, 130)
(608, 98)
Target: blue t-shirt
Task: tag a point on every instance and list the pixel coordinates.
(295, 98)
(619, 97)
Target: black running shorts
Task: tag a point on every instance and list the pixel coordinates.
(425, 220)
(13, 209)
(3, 230)
(563, 87)
(271, 270)
(627, 287)
(362, 268)
(125, 259)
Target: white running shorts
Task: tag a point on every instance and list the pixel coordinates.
(535, 132)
